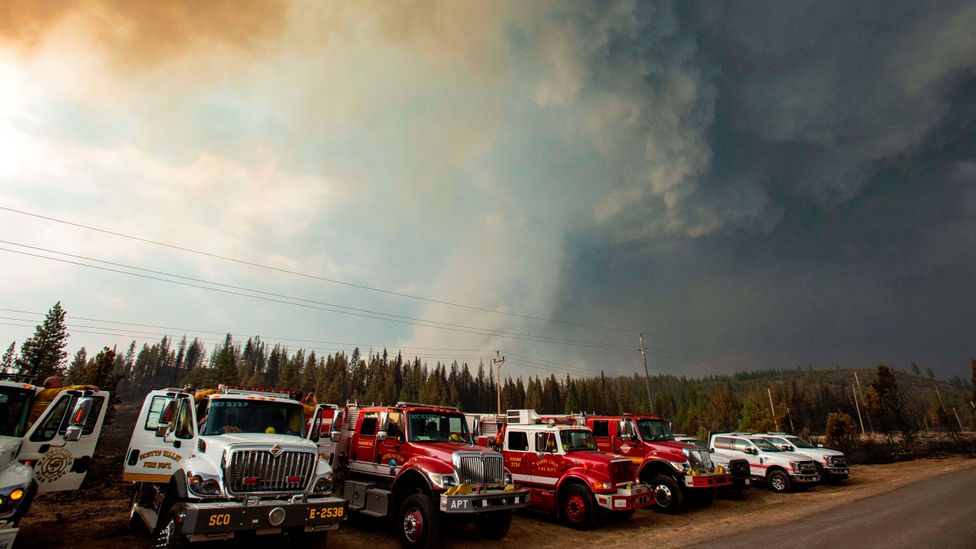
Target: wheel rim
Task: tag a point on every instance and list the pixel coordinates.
(576, 508)
(778, 484)
(663, 495)
(413, 524)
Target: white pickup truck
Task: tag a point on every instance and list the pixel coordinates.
(227, 463)
(51, 455)
(767, 462)
(832, 464)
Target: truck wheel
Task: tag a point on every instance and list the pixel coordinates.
(493, 526)
(418, 522)
(668, 497)
(169, 536)
(702, 497)
(779, 481)
(578, 507)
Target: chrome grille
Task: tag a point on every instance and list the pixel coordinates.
(837, 461)
(480, 468)
(621, 471)
(808, 467)
(273, 474)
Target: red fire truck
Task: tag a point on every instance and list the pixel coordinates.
(564, 470)
(413, 463)
(677, 471)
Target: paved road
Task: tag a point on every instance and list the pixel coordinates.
(940, 512)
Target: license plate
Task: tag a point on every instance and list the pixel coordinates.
(748, 482)
(325, 513)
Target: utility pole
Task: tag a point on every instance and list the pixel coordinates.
(860, 394)
(859, 418)
(789, 415)
(499, 360)
(771, 409)
(647, 376)
(959, 421)
(938, 393)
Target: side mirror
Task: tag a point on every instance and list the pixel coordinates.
(711, 450)
(80, 413)
(785, 447)
(750, 450)
(162, 430)
(539, 454)
(73, 433)
(380, 436)
(819, 445)
(333, 435)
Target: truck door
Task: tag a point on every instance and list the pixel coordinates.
(326, 420)
(544, 463)
(516, 453)
(161, 439)
(60, 464)
(388, 449)
(364, 442)
(601, 434)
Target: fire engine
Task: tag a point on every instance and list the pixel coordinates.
(225, 463)
(416, 464)
(567, 473)
(677, 471)
(51, 455)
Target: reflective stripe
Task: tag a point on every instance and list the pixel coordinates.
(143, 477)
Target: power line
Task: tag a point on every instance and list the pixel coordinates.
(311, 276)
(303, 302)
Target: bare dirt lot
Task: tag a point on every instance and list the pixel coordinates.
(96, 516)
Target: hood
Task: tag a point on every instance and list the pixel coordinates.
(787, 456)
(672, 450)
(259, 439)
(443, 451)
(594, 458)
(819, 453)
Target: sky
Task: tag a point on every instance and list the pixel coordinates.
(750, 185)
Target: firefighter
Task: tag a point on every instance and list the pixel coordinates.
(52, 386)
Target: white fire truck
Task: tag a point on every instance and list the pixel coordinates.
(227, 463)
(51, 455)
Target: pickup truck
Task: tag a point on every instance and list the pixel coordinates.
(832, 464)
(782, 471)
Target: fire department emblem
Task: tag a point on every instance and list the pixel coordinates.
(276, 450)
(55, 463)
(625, 448)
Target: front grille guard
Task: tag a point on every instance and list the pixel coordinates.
(479, 468)
(272, 472)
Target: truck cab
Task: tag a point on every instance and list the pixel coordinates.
(51, 455)
(567, 472)
(832, 464)
(416, 464)
(678, 471)
(221, 463)
(781, 470)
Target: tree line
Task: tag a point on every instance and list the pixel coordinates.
(801, 400)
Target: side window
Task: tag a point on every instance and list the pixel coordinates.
(723, 443)
(394, 425)
(93, 415)
(155, 411)
(601, 428)
(368, 426)
(545, 442)
(52, 421)
(518, 441)
(184, 420)
(741, 444)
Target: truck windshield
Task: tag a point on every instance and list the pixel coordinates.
(254, 416)
(800, 443)
(575, 440)
(14, 408)
(765, 445)
(652, 430)
(438, 427)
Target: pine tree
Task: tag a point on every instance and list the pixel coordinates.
(10, 359)
(43, 354)
(76, 371)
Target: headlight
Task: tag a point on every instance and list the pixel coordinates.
(508, 478)
(795, 465)
(203, 487)
(607, 485)
(324, 484)
(681, 466)
(443, 481)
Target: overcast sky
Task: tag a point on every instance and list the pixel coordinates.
(752, 185)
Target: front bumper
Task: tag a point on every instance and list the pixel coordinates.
(217, 518)
(805, 478)
(707, 480)
(463, 501)
(841, 471)
(633, 496)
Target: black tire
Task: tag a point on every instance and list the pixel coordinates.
(418, 522)
(577, 507)
(702, 497)
(169, 536)
(668, 496)
(779, 481)
(493, 526)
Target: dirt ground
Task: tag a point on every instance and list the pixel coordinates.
(96, 516)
